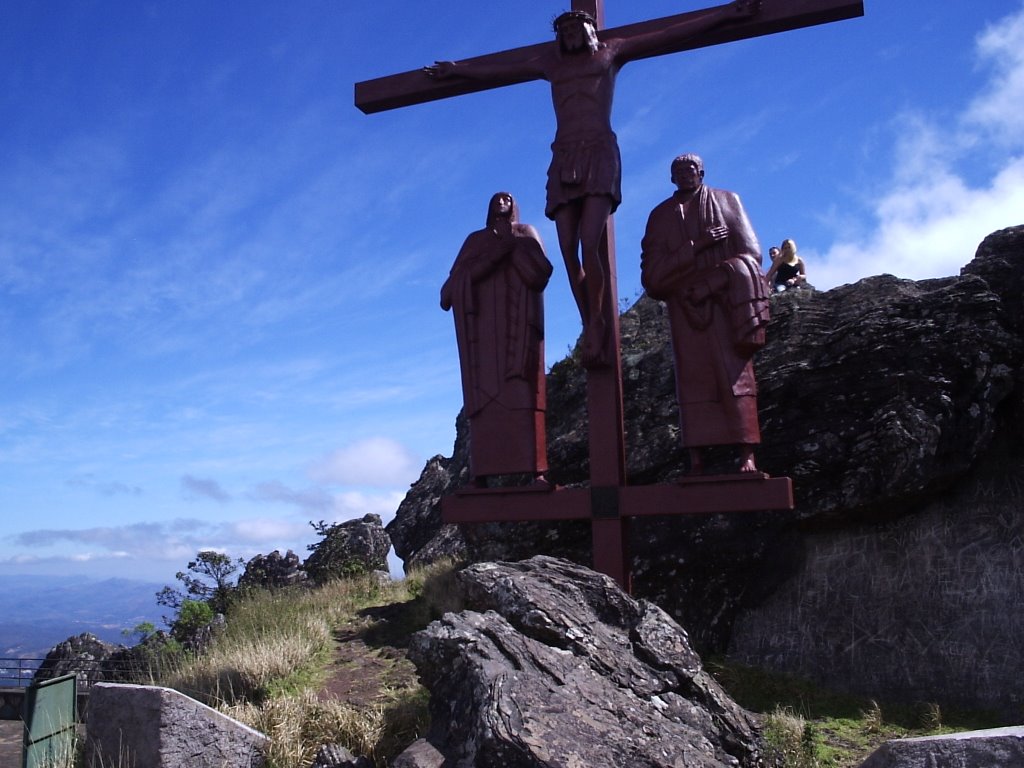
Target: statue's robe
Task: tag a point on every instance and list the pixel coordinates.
(495, 288)
(715, 338)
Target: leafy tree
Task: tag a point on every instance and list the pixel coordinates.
(208, 580)
(140, 632)
(192, 616)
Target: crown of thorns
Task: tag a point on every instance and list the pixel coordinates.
(579, 15)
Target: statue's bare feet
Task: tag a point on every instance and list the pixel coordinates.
(747, 459)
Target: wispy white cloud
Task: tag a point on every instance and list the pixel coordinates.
(998, 107)
(263, 531)
(173, 541)
(927, 217)
(376, 461)
(321, 503)
(311, 500)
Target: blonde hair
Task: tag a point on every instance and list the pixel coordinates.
(788, 251)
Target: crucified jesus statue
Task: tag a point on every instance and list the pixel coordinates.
(584, 179)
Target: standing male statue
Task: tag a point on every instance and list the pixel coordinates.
(494, 291)
(583, 187)
(701, 257)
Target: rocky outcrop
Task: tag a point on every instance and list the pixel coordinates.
(881, 399)
(85, 656)
(272, 571)
(140, 662)
(348, 548)
(416, 532)
(554, 665)
(92, 661)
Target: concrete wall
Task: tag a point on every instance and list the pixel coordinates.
(135, 726)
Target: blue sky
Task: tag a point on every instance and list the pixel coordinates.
(219, 280)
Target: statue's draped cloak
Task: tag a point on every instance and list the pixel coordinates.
(713, 340)
(499, 326)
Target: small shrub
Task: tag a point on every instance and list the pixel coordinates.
(931, 717)
(790, 739)
(193, 615)
(872, 718)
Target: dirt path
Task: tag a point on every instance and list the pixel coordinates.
(367, 663)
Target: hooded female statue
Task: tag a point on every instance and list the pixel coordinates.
(495, 293)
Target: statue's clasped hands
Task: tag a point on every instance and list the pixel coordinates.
(711, 236)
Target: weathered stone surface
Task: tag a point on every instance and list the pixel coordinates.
(883, 400)
(416, 532)
(337, 756)
(926, 607)
(993, 748)
(138, 662)
(420, 754)
(151, 727)
(555, 666)
(85, 656)
(354, 546)
(272, 571)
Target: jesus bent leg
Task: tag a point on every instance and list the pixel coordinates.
(567, 224)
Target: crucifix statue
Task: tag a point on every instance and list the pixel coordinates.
(583, 190)
(583, 187)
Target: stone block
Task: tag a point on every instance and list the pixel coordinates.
(140, 726)
(993, 748)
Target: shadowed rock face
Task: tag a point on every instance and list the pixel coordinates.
(879, 399)
(354, 546)
(554, 665)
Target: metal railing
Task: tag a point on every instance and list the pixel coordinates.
(20, 673)
(17, 673)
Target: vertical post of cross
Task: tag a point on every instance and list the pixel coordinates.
(609, 529)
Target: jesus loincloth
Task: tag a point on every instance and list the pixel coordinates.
(581, 168)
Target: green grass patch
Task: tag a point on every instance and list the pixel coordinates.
(807, 726)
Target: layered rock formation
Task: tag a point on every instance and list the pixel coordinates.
(896, 407)
(273, 571)
(553, 665)
(351, 547)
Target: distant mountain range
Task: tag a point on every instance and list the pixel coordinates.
(38, 612)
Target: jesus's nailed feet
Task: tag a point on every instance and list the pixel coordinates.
(596, 352)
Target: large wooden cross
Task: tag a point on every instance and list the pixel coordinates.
(609, 503)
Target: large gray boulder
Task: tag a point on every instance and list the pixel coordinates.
(85, 656)
(554, 665)
(348, 548)
(273, 571)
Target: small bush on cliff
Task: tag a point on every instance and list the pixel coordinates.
(209, 579)
(193, 615)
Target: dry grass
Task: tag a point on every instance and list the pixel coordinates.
(790, 739)
(266, 665)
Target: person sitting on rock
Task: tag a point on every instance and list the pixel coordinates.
(787, 270)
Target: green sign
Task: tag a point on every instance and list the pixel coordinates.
(50, 715)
